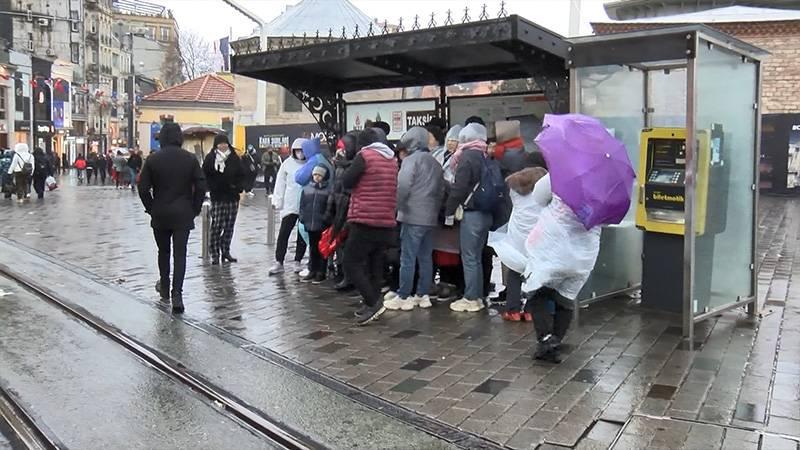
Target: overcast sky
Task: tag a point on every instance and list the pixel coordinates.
(213, 19)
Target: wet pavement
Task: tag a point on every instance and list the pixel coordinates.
(627, 374)
(90, 393)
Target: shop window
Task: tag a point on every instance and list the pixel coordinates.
(291, 104)
(3, 102)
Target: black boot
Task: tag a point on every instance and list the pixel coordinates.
(177, 302)
(344, 285)
(561, 321)
(162, 291)
(547, 349)
(229, 258)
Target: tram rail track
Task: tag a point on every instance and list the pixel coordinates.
(34, 434)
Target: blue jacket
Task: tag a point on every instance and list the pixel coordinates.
(314, 157)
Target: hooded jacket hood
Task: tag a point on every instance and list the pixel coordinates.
(414, 140)
(221, 139)
(472, 132)
(170, 135)
(381, 148)
(452, 133)
(350, 145)
(311, 148)
(522, 182)
(21, 148)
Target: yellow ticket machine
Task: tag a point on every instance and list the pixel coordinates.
(660, 210)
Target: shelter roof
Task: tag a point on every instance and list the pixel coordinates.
(206, 89)
(504, 48)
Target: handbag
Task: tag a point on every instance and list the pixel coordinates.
(329, 241)
(51, 184)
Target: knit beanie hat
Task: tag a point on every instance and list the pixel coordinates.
(319, 170)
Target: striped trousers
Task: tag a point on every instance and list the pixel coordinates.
(223, 219)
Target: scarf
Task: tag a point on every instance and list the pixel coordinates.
(474, 145)
(219, 159)
(501, 147)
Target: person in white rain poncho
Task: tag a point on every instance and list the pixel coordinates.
(561, 254)
(530, 194)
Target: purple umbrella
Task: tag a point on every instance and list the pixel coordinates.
(589, 169)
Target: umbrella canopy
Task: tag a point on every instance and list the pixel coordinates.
(589, 169)
(202, 130)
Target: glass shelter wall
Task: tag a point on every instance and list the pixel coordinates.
(725, 123)
(615, 95)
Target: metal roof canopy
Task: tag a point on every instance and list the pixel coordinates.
(320, 72)
(473, 51)
(662, 44)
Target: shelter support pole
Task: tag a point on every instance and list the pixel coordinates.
(691, 182)
(443, 104)
(205, 214)
(753, 308)
(270, 221)
(324, 106)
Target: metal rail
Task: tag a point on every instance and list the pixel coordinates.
(28, 431)
(255, 419)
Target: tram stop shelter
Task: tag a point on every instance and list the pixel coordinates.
(690, 77)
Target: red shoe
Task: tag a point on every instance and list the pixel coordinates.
(528, 317)
(511, 316)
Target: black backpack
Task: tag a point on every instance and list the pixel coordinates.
(27, 167)
(489, 194)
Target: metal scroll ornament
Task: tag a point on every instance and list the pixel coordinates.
(324, 109)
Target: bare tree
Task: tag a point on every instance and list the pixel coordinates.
(196, 55)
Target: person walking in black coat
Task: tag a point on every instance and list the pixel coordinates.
(135, 164)
(172, 190)
(43, 168)
(226, 178)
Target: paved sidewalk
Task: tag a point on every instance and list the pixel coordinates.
(627, 372)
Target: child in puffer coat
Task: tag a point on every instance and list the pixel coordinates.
(313, 205)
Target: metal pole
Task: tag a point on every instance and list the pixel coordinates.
(132, 99)
(270, 221)
(205, 214)
(691, 182)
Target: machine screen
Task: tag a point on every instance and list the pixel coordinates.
(665, 176)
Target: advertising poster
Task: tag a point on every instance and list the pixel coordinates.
(396, 114)
(528, 109)
(779, 167)
(62, 110)
(793, 158)
(279, 137)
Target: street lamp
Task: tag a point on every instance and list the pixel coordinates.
(132, 93)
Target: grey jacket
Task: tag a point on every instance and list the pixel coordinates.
(420, 189)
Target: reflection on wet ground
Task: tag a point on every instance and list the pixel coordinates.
(470, 371)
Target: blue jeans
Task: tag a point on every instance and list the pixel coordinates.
(132, 174)
(473, 234)
(416, 246)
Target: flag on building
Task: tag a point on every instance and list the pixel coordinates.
(224, 49)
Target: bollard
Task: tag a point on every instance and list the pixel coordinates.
(205, 213)
(270, 221)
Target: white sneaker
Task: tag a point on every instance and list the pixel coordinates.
(408, 304)
(299, 266)
(395, 303)
(389, 296)
(423, 302)
(465, 305)
(276, 269)
(304, 273)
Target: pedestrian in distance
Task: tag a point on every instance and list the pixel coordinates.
(120, 165)
(64, 162)
(225, 177)
(172, 190)
(43, 168)
(6, 179)
(91, 162)
(286, 199)
(22, 169)
(270, 162)
(101, 168)
(80, 167)
(371, 217)
(420, 191)
(135, 164)
(250, 165)
(313, 204)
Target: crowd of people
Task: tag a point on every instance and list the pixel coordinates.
(407, 225)
(121, 168)
(21, 170)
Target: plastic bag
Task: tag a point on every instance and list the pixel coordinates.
(51, 184)
(329, 242)
(561, 252)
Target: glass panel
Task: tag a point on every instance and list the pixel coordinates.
(666, 93)
(723, 219)
(615, 95)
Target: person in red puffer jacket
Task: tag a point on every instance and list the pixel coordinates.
(372, 179)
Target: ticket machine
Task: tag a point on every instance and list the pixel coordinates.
(660, 211)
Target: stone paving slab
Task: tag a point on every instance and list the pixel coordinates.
(471, 371)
